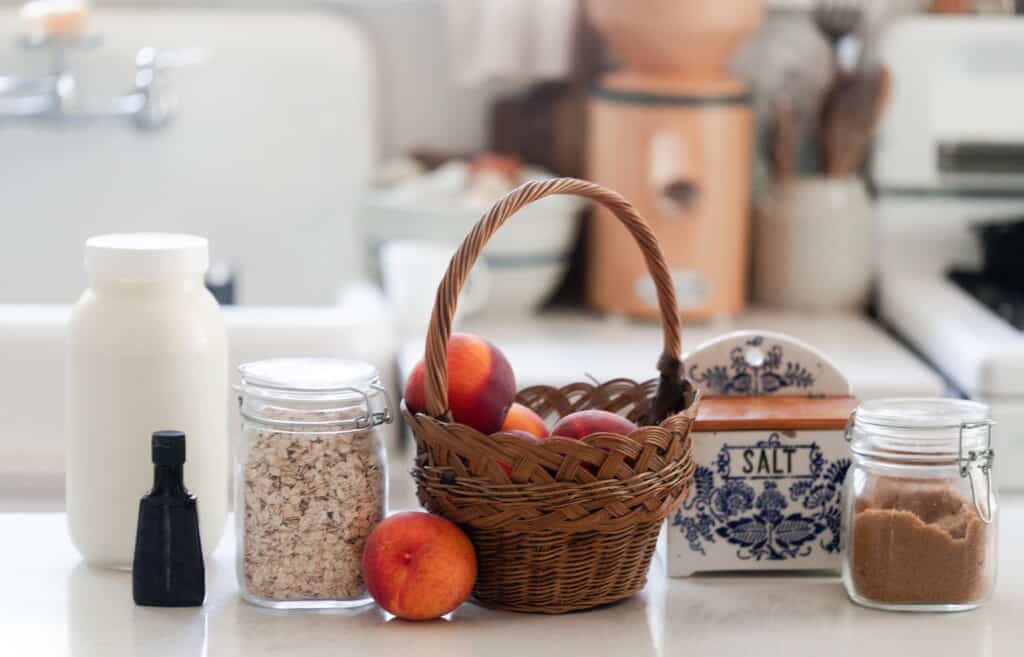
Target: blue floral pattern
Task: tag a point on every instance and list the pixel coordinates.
(771, 524)
(735, 498)
(767, 375)
(771, 502)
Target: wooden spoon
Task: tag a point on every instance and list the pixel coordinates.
(850, 116)
(782, 141)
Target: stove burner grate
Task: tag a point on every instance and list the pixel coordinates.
(1007, 302)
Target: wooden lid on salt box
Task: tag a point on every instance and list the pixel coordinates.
(759, 380)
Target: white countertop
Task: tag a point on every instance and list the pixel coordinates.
(559, 348)
(53, 605)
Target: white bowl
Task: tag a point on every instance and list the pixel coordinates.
(527, 257)
(518, 287)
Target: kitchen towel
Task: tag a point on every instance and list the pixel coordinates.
(520, 41)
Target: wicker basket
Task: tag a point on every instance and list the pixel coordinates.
(575, 523)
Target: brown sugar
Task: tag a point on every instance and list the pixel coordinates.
(917, 542)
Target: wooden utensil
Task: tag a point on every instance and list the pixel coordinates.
(849, 118)
(783, 141)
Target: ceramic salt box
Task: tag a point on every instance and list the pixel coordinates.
(770, 456)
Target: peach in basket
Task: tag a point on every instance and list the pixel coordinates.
(522, 418)
(481, 386)
(584, 423)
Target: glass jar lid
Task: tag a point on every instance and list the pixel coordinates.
(316, 376)
(925, 427)
(925, 413)
(317, 387)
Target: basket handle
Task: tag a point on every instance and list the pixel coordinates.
(670, 386)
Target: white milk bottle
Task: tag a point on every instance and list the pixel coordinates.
(146, 352)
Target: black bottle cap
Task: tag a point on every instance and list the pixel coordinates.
(168, 448)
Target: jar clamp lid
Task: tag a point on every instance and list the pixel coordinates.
(321, 384)
(928, 430)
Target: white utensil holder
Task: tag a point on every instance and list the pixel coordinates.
(813, 244)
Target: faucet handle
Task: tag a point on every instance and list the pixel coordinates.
(152, 103)
(163, 58)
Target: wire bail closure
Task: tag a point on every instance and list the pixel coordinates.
(978, 459)
(851, 419)
(373, 418)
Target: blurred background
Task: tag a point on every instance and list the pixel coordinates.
(848, 172)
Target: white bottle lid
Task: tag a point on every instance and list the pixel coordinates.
(146, 255)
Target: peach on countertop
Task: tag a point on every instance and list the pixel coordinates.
(481, 384)
(418, 566)
(523, 418)
(583, 423)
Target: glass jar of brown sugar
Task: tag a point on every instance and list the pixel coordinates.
(919, 517)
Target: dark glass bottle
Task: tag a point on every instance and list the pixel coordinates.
(168, 567)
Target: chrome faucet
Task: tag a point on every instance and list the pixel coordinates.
(150, 104)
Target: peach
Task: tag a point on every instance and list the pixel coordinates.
(523, 418)
(583, 423)
(481, 384)
(525, 435)
(418, 566)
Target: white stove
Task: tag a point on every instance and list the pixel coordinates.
(950, 154)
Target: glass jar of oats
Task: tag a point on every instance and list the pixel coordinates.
(311, 480)
(919, 517)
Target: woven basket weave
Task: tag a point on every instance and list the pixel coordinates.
(575, 522)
